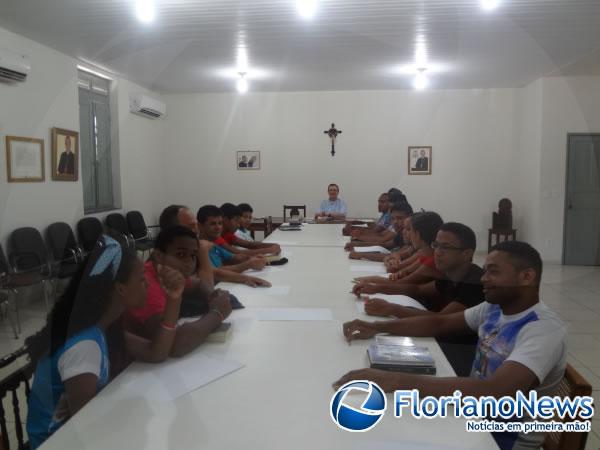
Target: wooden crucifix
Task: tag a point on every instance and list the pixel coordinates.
(332, 133)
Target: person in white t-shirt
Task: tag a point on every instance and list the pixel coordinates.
(521, 341)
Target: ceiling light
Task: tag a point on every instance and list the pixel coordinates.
(420, 82)
(242, 84)
(489, 5)
(242, 60)
(307, 8)
(144, 10)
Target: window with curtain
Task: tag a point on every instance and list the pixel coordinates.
(96, 162)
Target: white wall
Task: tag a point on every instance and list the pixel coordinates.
(49, 98)
(569, 105)
(471, 132)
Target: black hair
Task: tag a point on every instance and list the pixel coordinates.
(244, 208)
(333, 184)
(166, 237)
(208, 211)
(465, 235)
(523, 256)
(81, 306)
(402, 207)
(168, 216)
(230, 211)
(427, 224)
(396, 196)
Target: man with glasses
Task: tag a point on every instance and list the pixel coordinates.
(460, 289)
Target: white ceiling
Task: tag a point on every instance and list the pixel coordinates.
(350, 44)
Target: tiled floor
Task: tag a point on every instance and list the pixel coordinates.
(574, 292)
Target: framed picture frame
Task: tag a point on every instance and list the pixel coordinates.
(248, 160)
(24, 159)
(419, 160)
(65, 155)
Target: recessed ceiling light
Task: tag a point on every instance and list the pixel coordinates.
(489, 5)
(307, 8)
(144, 10)
(242, 85)
(420, 82)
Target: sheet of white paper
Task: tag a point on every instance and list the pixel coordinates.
(294, 314)
(361, 225)
(170, 380)
(369, 268)
(373, 249)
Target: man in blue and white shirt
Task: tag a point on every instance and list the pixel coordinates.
(333, 208)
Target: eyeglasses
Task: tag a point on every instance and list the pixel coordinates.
(444, 247)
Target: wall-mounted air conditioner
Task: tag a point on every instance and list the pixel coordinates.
(146, 106)
(13, 67)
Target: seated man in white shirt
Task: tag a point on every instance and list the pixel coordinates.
(334, 208)
(521, 341)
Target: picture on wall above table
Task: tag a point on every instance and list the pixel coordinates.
(65, 155)
(419, 160)
(248, 160)
(24, 159)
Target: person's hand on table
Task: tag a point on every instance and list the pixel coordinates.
(378, 307)
(398, 275)
(256, 282)
(257, 262)
(355, 255)
(358, 329)
(364, 288)
(220, 301)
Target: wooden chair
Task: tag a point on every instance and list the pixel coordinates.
(510, 234)
(291, 208)
(268, 226)
(572, 385)
(11, 384)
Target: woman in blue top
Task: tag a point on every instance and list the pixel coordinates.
(333, 208)
(71, 351)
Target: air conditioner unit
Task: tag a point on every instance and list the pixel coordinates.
(13, 67)
(146, 106)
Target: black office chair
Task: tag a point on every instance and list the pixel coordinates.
(28, 254)
(11, 384)
(66, 253)
(144, 242)
(89, 230)
(293, 209)
(117, 226)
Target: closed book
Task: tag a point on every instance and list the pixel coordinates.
(401, 358)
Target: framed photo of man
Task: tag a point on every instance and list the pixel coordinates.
(248, 160)
(65, 155)
(419, 160)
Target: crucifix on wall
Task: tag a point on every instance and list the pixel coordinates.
(332, 133)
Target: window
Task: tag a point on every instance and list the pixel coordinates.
(95, 137)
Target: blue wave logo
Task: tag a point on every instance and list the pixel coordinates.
(371, 411)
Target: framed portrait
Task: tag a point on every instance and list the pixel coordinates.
(65, 155)
(419, 160)
(24, 159)
(248, 160)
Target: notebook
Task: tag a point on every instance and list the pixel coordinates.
(401, 358)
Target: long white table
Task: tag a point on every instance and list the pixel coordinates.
(311, 235)
(281, 398)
